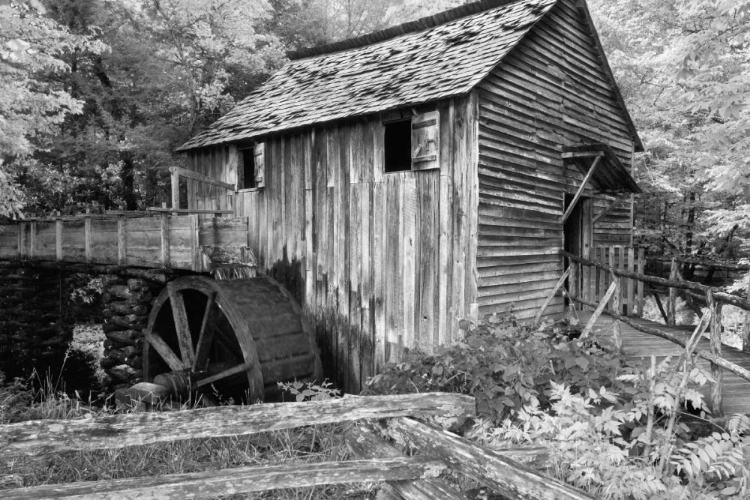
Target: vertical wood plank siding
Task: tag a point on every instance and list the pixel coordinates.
(389, 255)
(548, 92)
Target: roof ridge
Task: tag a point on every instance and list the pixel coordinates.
(398, 30)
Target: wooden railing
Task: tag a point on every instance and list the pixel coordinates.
(142, 239)
(610, 302)
(592, 283)
(203, 192)
(413, 477)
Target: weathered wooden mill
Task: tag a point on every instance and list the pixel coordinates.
(394, 184)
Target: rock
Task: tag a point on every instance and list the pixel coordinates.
(127, 337)
(123, 373)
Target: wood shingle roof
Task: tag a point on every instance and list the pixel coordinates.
(434, 61)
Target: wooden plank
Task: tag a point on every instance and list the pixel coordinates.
(59, 240)
(175, 183)
(394, 266)
(379, 267)
(581, 188)
(460, 240)
(599, 309)
(715, 345)
(184, 338)
(472, 208)
(87, 239)
(631, 282)
(365, 442)
(195, 176)
(445, 243)
(672, 301)
(365, 270)
(119, 431)
(408, 237)
(165, 240)
(482, 464)
(642, 270)
(206, 211)
(239, 480)
(354, 314)
(429, 264)
(551, 296)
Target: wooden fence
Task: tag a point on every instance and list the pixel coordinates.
(144, 239)
(435, 451)
(611, 303)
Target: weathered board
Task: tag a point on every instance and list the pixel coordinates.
(550, 91)
(384, 261)
(160, 241)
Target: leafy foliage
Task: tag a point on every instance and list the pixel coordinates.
(504, 366)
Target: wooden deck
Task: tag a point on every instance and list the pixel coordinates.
(159, 240)
(638, 345)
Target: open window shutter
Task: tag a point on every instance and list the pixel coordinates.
(259, 152)
(425, 141)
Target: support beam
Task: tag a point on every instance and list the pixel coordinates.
(584, 183)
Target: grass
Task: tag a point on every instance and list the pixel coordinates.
(307, 444)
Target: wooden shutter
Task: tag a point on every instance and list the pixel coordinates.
(259, 156)
(425, 141)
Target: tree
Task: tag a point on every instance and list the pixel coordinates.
(31, 107)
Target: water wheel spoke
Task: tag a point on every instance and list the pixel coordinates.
(179, 313)
(206, 336)
(166, 352)
(224, 374)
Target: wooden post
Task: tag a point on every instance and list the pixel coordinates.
(672, 304)
(551, 296)
(165, 240)
(641, 271)
(87, 239)
(190, 192)
(631, 282)
(32, 238)
(612, 263)
(21, 240)
(194, 243)
(175, 178)
(746, 325)
(602, 275)
(573, 280)
(616, 299)
(122, 251)
(716, 371)
(58, 239)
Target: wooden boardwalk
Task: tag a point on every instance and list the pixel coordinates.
(638, 345)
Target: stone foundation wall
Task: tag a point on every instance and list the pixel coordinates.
(128, 297)
(34, 329)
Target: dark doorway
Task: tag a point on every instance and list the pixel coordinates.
(578, 236)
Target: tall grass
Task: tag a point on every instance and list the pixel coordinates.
(19, 402)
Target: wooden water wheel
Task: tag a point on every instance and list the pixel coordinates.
(238, 338)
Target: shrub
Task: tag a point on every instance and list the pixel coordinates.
(504, 366)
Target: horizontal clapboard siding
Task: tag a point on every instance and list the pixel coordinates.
(382, 262)
(549, 92)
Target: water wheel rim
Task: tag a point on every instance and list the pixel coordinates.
(208, 287)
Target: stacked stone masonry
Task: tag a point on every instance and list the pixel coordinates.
(127, 304)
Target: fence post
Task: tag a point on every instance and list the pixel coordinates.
(573, 281)
(631, 282)
(175, 178)
(616, 300)
(672, 303)
(641, 271)
(746, 325)
(716, 371)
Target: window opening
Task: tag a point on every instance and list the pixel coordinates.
(398, 146)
